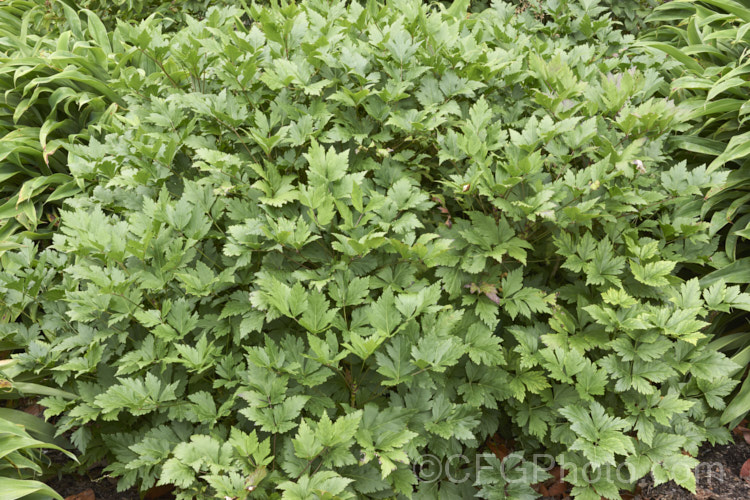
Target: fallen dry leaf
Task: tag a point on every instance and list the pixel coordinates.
(557, 472)
(499, 446)
(159, 492)
(34, 409)
(84, 495)
(554, 487)
(557, 489)
(741, 429)
(541, 489)
(745, 470)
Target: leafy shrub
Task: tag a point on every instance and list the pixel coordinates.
(326, 242)
(628, 15)
(54, 93)
(707, 41)
(632, 14)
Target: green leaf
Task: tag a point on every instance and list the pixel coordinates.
(383, 315)
(12, 489)
(600, 435)
(396, 365)
(653, 273)
(325, 166)
(317, 316)
(739, 406)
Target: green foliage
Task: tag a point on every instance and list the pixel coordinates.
(54, 93)
(632, 14)
(708, 42)
(173, 12)
(324, 240)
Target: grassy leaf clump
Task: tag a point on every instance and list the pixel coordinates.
(53, 93)
(20, 455)
(709, 42)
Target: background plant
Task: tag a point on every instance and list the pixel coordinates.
(710, 43)
(632, 14)
(172, 12)
(54, 93)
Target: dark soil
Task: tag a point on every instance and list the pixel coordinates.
(104, 488)
(68, 484)
(717, 477)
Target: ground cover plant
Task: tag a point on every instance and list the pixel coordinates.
(320, 242)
